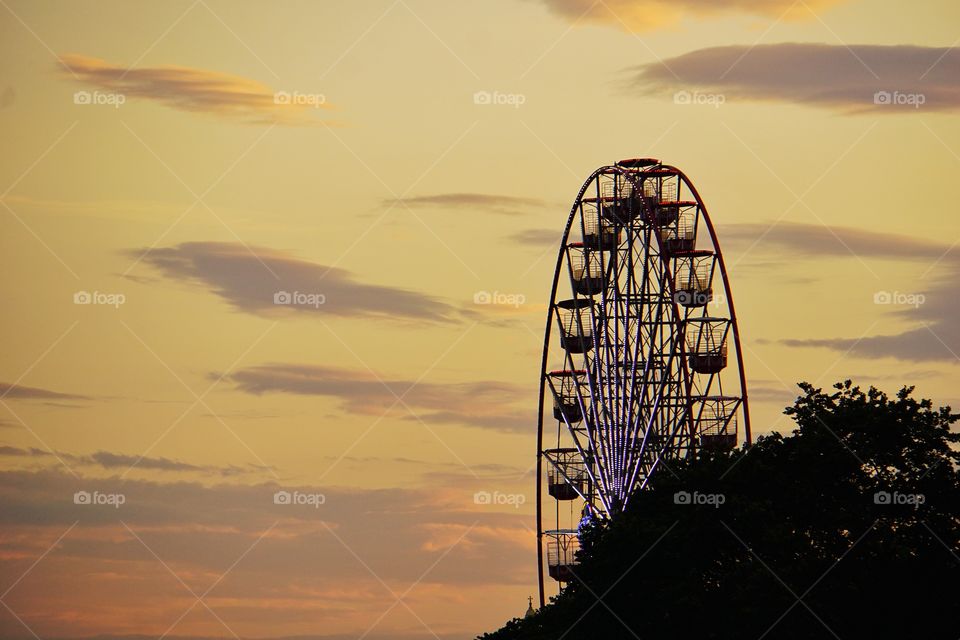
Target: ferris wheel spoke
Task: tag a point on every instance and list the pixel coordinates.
(637, 293)
(651, 389)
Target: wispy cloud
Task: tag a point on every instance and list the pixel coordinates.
(841, 241)
(506, 205)
(265, 281)
(934, 334)
(850, 79)
(488, 404)
(119, 461)
(536, 237)
(23, 392)
(643, 15)
(198, 90)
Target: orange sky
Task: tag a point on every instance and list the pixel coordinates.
(169, 168)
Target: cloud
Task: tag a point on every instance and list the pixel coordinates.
(113, 461)
(507, 205)
(22, 392)
(643, 15)
(900, 377)
(934, 334)
(837, 77)
(249, 278)
(815, 240)
(197, 91)
(536, 237)
(485, 404)
(109, 460)
(769, 391)
(275, 569)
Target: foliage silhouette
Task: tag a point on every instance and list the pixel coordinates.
(846, 529)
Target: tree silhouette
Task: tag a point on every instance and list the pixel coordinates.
(846, 529)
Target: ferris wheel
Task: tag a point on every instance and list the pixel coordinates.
(641, 357)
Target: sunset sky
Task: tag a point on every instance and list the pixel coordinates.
(169, 168)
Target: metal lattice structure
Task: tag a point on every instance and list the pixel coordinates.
(637, 364)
